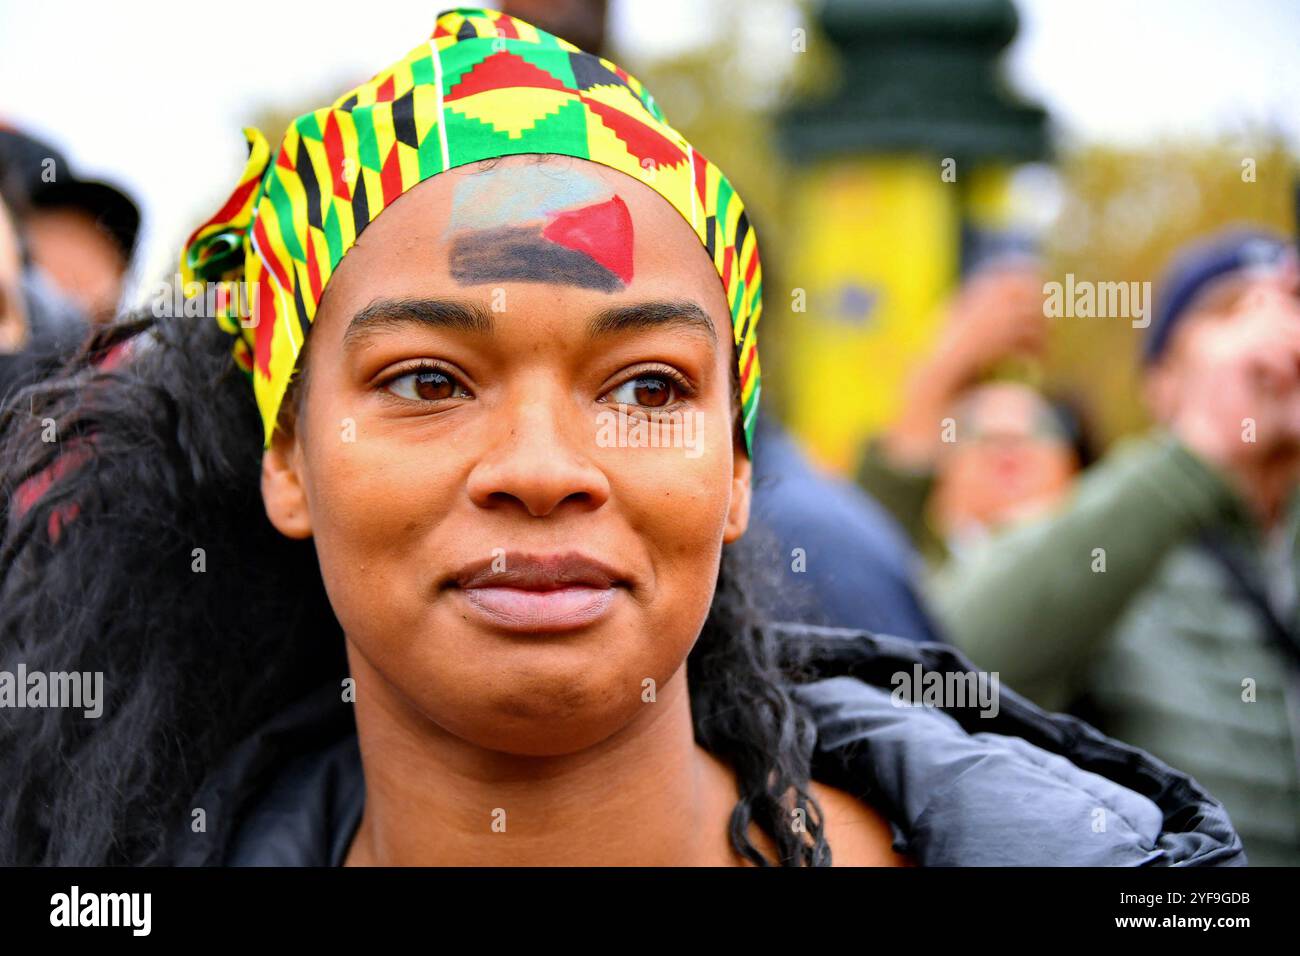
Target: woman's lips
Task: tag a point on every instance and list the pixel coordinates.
(533, 593)
(560, 609)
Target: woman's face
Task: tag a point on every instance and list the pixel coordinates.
(511, 545)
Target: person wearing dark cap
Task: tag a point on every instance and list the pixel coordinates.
(39, 326)
(80, 233)
(1160, 602)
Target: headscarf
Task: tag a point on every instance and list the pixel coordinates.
(485, 85)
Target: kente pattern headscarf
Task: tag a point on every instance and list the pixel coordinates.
(485, 85)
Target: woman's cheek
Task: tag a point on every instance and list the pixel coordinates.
(372, 510)
(677, 505)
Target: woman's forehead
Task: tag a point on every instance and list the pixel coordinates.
(501, 192)
(537, 190)
(549, 220)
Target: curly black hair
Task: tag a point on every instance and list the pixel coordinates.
(160, 455)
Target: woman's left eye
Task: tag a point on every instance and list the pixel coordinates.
(427, 385)
(649, 391)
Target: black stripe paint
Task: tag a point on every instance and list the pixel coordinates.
(513, 254)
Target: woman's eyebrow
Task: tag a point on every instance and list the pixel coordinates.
(387, 314)
(685, 316)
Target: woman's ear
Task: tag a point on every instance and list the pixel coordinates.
(283, 491)
(738, 510)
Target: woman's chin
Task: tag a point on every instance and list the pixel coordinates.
(540, 703)
(534, 693)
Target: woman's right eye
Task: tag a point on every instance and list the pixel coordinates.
(427, 385)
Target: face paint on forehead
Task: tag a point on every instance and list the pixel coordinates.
(519, 194)
(539, 225)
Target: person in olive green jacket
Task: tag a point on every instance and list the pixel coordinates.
(1159, 600)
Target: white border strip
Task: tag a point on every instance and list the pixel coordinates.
(442, 125)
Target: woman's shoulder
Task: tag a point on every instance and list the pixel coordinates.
(857, 833)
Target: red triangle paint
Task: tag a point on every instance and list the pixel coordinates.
(602, 231)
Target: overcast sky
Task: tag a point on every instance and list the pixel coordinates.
(152, 93)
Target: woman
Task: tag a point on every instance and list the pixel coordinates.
(506, 472)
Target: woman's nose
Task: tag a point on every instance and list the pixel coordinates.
(540, 458)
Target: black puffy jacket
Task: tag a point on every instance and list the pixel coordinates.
(1022, 787)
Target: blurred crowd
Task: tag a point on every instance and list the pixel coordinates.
(1153, 591)
(1151, 588)
(66, 245)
